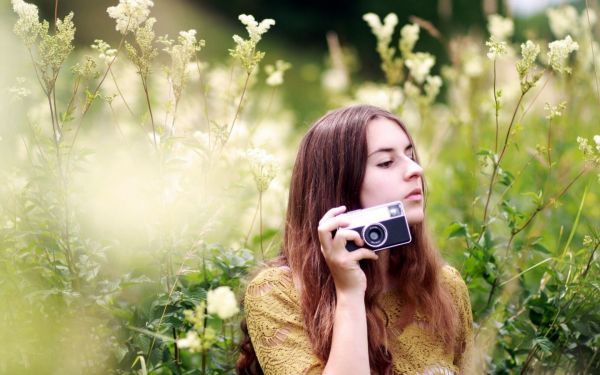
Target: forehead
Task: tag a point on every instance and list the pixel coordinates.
(384, 133)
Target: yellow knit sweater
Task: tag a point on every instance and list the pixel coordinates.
(275, 326)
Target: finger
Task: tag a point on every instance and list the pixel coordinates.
(333, 212)
(363, 253)
(332, 224)
(345, 235)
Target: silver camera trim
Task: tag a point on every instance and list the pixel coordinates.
(379, 225)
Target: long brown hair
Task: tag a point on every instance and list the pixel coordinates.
(329, 172)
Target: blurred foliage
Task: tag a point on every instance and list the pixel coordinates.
(128, 196)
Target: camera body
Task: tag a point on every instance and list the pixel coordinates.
(380, 227)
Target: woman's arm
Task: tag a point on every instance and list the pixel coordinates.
(349, 348)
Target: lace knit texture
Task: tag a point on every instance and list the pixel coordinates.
(275, 326)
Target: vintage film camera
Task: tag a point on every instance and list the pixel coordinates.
(381, 227)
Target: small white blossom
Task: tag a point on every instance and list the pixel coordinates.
(563, 20)
(245, 50)
(255, 29)
(497, 48)
(409, 34)
(411, 90)
(130, 14)
(558, 53)
(221, 301)
(28, 26)
(384, 31)
(419, 65)
(499, 27)
(105, 53)
(275, 73)
(263, 167)
(191, 342)
(334, 80)
(554, 111)
(597, 141)
(432, 86)
(382, 96)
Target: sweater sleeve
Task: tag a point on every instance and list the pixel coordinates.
(463, 358)
(274, 320)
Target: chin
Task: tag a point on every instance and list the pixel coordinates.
(415, 217)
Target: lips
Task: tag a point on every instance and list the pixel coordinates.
(415, 194)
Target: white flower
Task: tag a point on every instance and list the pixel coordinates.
(499, 27)
(563, 20)
(419, 65)
(554, 111)
(597, 141)
(334, 80)
(275, 73)
(473, 67)
(263, 167)
(221, 301)
(432, 86)
(105, 53)
(558, 53)
(379, 95)
(497, 48)
(409, 34)
(28, 26)
(382, 32)
(191, 342)
(255, 29)
(245, 50)
(130, 14)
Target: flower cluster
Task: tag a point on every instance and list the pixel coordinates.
(529, 53)
(130, 14)
(105, 53)
(28, 26)
(555, 111)
(409, 34)
(245, 49)
(564, 20)
(500, 28)
(419, 65)
(143, 56)
(222, 302)
(392, 67)
(558, 52)
(263, 167)
(590, 153)
(200, 338)
(275, 73)
(181, 54)
(383, 32)
(497, 48)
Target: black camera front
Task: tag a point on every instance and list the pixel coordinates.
(374, 235)
(380, 227)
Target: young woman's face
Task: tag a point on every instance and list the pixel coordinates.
(391, 173)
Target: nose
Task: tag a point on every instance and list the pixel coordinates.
(413, 170)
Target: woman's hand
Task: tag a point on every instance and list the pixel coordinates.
(348, 277)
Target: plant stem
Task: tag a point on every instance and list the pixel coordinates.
(497, 107)
(496, 167)
(239, 107)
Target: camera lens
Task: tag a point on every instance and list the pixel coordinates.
(375, 235)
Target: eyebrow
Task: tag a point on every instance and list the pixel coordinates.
(389, 149)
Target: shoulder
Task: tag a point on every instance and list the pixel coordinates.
(272, 282)
(454, 283)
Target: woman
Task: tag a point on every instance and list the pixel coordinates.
(319, 308)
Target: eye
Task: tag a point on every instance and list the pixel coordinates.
(385, 164)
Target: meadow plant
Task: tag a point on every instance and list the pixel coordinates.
(133, 226)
